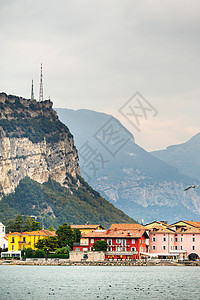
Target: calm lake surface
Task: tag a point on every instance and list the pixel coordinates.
(89, 282)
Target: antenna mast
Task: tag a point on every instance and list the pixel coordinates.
(32, 93)
(41, 86)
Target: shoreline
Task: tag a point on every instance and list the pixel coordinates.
(63, 262)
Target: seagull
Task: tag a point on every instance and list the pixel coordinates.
(190, 187)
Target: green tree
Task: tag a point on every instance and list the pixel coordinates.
(51, 228)
(28, 224)
(39, 253)
(100, 246)
(15, 224)
(35, 225)
(50, 243)
(77, 235)
(28, 253)
(63, 250)
(19, 224)
(66, 236)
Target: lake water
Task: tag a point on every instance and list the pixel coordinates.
(103, 282)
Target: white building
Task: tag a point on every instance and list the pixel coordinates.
(3, 237)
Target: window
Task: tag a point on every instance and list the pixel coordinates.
(181, 239)
(193, 247)
(24, 239)
(164, 247)
(3, 229)
(13, 239)
(92, 241)
(77, 249)
(171, 239)
(181, 247)
(85, 249)
(153, 247)
(109, 241)
(118, 241)
(176, 239)
(102, 240)
(109, 248)
(13, 247)
(164, 239)
(123, 242)
(153, 239)
(175, 247)
(133, 241)
(171, 247)
(133, 249)
(4, 246)
(193, 239)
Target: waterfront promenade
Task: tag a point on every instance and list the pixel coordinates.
(66, 262)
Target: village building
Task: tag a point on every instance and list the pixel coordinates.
(18, 241)
(180, 240)
(3, 237)
(87, 227)
(123, 244)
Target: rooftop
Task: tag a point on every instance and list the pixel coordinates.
(111, 233)
(36, 233)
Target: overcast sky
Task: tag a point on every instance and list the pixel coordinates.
(97, 54)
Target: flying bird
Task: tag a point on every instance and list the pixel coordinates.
(190, 187)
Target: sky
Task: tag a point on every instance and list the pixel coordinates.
(97, 54)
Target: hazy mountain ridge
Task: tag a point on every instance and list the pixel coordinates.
(134, 180)
(185, 156)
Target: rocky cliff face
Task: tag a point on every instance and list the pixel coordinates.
(34, 143)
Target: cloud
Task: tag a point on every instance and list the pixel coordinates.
(96, 54)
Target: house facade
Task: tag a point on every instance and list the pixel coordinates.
(20, 240)
(180, 240)
(123, 244)
(87, 227)
(3, 237)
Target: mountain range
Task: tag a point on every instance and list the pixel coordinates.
(185, 157)
(141, 184)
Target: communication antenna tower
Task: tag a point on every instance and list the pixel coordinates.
(32, 93)
(41, 86)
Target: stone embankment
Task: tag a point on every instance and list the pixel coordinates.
(65, 262)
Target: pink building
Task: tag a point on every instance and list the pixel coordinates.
(177, 241)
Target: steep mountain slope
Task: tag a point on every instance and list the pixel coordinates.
(39, 170)
(53, 204)
(125, 174)
(185, 157)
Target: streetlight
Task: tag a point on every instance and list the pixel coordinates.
(47, 254)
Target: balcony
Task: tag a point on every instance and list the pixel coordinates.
(24, 242)
(121, 252)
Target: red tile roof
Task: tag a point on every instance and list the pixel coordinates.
(127, 226)
(36, 233)
(160, 229)
(86, 226)
(188, 230)
(110, 233)
(191, 223)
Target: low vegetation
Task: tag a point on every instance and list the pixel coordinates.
(84, 205)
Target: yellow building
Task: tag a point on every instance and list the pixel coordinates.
(86, 228)
(156, 224)
(20, 240)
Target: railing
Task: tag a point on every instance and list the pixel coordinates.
(121, 252)
(24, 242)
